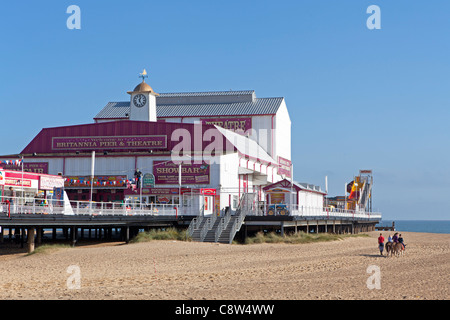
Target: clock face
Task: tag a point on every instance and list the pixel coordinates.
(139, 100)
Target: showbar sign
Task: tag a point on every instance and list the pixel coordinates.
(111, 143)
(191, 174)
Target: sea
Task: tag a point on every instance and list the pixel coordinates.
(430, 226)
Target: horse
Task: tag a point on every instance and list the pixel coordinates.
(397, 249)
(388, 247)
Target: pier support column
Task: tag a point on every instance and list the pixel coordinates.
(127, 234)
(30, 240)
(39, 232)
(74, 235)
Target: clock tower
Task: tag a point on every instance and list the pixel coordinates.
(143, 101)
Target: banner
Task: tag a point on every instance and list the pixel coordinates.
(14, 163)
(99, 181)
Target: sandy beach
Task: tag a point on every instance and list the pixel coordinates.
(189, 270)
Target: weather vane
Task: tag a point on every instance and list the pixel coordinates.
(143, 75)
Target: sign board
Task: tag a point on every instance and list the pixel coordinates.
(34, 167)
(167, 173)
(239, 125)
(148, 181)
(162, 199)
(2, 178)
(50, 182)
(110, 143)
(284, 167)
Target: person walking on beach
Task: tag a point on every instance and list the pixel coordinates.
(381, 243)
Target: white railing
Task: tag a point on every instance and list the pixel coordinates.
(18, 205)
(319, 212)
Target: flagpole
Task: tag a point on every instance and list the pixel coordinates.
(92, 177)
(23, 193)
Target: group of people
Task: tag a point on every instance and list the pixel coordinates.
(397, 238)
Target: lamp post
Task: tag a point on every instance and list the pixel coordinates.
(179, 185)
(292, 187)
(92, 178)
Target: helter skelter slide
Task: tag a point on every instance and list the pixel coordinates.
(360, 192)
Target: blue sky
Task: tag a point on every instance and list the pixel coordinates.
(358, 98)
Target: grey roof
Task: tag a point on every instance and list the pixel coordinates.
(209, 93)
(256, 106)
(114, 110)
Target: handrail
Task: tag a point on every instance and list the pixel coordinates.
(237, 225)
(205, 229)
(222, 226)
(320, 212)
(30, 205)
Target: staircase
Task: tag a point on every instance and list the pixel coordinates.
(196, 230)
(222, 229)
(228, 233)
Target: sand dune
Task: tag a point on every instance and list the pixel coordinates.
(189, 270)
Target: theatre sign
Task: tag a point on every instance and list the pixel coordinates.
(111, 143)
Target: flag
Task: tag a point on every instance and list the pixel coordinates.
(349, 186)
(353, 193)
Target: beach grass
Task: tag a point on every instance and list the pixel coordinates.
(298, 238)
(49, 248)
(162, 234)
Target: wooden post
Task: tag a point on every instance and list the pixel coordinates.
(31, 232)
(39, 236)
(22, 236)
(74, 235)
(127, 234)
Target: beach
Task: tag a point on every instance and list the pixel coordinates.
(164, 270)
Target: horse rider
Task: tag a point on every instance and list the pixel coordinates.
(400, 239)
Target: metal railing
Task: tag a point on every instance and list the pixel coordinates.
(309, 211)
(222, 226)
(19, 205)
(236, 225)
